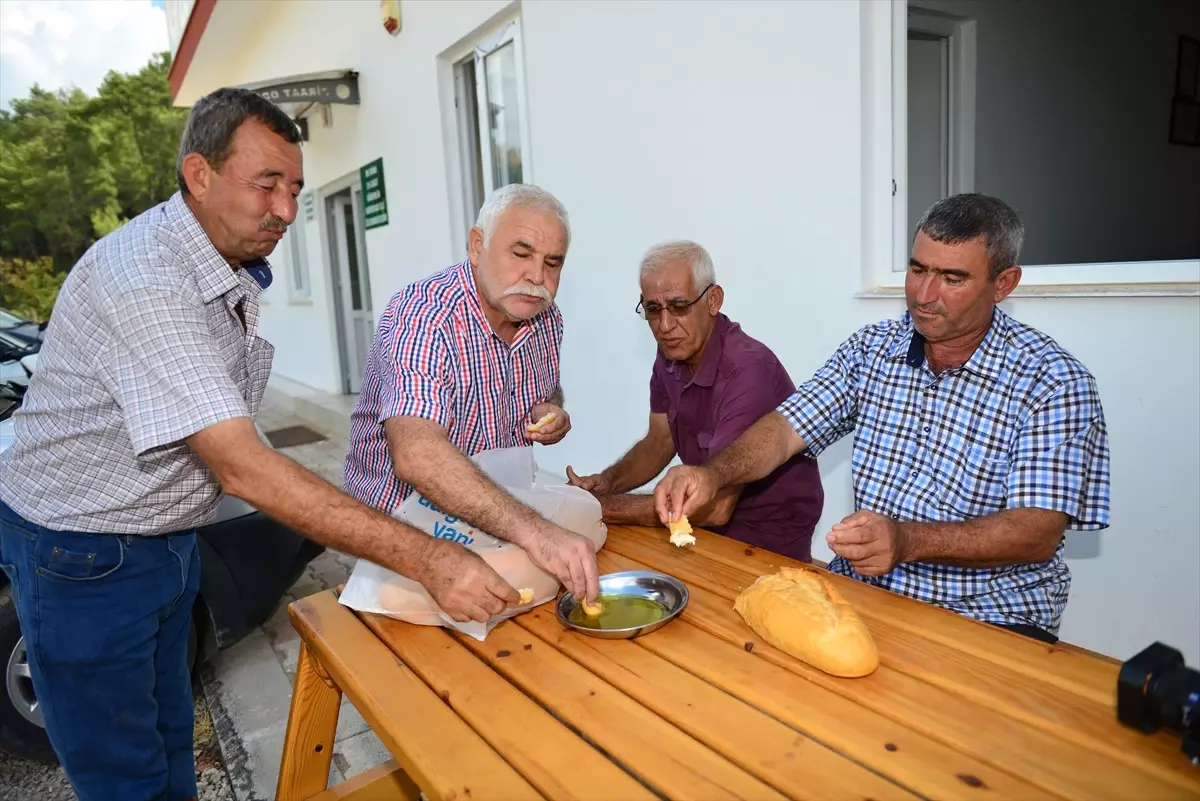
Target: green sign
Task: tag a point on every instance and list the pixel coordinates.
(374, 194)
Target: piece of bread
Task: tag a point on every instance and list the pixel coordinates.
(526, 596)
(592, 610)
(801, 613)
(681, 532)
(533, 428)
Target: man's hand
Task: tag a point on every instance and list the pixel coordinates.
(568, 557)
(551, 432)
(683, 490)
(872, 543)
(597, 484)
(463, 585)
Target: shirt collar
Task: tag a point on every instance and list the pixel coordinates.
(710, 361)
(986, 361)
(214, 276)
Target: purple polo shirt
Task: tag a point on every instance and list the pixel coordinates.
(738, 381)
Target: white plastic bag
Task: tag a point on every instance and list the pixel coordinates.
(372, 588)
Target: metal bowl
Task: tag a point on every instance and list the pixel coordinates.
(666, 590)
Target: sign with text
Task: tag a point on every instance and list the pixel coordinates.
(310, 208)
(334, 90)
(374, 194)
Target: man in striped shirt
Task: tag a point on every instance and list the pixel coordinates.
(978, 440)
(467, 360)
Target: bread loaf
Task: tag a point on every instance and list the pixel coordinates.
(801, 613)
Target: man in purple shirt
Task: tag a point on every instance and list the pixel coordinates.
(710, 382)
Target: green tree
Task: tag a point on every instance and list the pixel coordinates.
(73, 167)
(29, 288)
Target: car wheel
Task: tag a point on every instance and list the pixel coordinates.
(21, 728)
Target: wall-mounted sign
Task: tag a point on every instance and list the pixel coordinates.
(310, 208)
(389, 12)
(374, 194)
(317, 90)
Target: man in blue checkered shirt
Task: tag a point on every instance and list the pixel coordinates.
(978, 440)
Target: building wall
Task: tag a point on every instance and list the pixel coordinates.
(737, 124)
(1071, 125)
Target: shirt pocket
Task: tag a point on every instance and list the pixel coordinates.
(976, 485)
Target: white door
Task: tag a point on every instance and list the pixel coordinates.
(351, 282)
(928, 123)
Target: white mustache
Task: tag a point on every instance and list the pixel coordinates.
(526, 288)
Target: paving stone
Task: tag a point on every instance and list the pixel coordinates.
(350, 722)
(359, 753)
(249, 696)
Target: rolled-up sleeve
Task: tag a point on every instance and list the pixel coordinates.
(824, 409)
(415, 376)
(1060, 460)
(164, 368)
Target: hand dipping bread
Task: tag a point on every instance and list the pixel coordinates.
(801, 613)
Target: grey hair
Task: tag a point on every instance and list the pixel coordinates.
(214, 120)
(663, 253)
(961, 218)
(526, 196)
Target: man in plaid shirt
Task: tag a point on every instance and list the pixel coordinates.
(978, 440)
(139, 418)
(467, 360)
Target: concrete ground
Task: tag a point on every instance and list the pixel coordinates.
(249, 686)
(243, 694)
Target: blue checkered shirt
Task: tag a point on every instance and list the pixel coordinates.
(1019, 425)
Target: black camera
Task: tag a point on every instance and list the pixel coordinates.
(1156, 690)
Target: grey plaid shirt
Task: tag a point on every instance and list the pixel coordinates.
(145, 348)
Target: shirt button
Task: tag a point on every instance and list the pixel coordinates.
(926, 429)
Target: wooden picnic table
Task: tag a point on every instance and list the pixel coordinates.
(704, 709)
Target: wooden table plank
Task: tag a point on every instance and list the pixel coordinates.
(548, 754)
(790, 762)
(1063, 667)
(1076, 717)
(924, 765)
(657, 753)
(311, 728)
(1004, 743)
(435, 747)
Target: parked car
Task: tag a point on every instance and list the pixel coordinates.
(25, 330)
(17, 358)
(247, 562)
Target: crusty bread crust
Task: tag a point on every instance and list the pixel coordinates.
(801, 613)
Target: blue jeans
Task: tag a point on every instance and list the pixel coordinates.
(106, 621)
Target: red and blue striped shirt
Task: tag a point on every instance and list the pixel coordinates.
(436, 356)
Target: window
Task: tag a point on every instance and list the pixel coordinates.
(1053, 107)
(489, 100)
(297, 245)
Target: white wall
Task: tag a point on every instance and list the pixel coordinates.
(737, 124)
(1073, 109)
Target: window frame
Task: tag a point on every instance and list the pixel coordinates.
(299, 281)
(467, 130)
(886, 240)
(509, 34)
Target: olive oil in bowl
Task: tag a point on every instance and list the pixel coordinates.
(620, 612)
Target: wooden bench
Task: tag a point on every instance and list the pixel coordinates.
(704, 709)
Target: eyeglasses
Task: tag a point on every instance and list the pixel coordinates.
(677, 308)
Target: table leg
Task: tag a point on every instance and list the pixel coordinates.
(312, 723)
